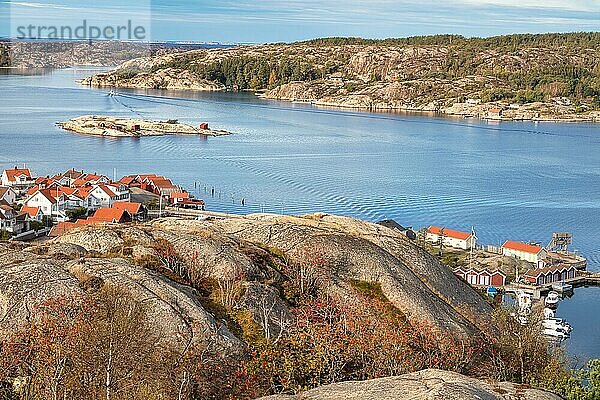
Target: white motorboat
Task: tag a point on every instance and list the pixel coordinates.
(549, 313)
(558, 324)
(552, 300)
(556, 333)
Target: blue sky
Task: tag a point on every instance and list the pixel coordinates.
(261, 21)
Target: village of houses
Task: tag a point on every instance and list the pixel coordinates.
(513, 262)
(33, 206)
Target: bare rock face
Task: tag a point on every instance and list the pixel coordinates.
(24, 285)
(246, 252)
(98, 240)
(428, 384)
(175, 310)
(168, 78)
(411, 279)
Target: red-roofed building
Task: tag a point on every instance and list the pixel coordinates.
(178, 197)
(494, 113)
(527, 252)
(46, 202)
(111, 215)
(161, 186)
(12, 221)
(94, 179)
(17, 177)
(451, 238)
(557, 273)
(63, 227)
(130, 181)
(34, 213)
(138, 211)
(194, 204)
(108, 194)
(481, 278)
(67, 178)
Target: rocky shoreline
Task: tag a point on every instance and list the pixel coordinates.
(96, 125)
(376, 99)
(380, 97)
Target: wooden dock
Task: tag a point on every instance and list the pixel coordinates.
(584, 279)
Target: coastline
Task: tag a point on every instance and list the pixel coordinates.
(475, 114)
(525, 113)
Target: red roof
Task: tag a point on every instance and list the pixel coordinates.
(58, 190)
(72, 174)
(85, 191)
(12, 174)
(79, 182)
(107, 190)
(163, 183)
(448, 233)
(192, 202)
(93, 177)
(180, 195)
(523, 247)
(61, 228)
(127, 180)
(132, 208)
(32, 211)
(47, 193)
(110, 215)
(3, 190)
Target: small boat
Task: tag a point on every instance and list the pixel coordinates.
(562, 287)
(549, 313)
(552, 300)
(492, 291)
(558, 324)
(556, 333)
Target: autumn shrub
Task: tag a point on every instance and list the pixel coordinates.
(87, 347)
(332, 341)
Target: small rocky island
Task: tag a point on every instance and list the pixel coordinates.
(98, 125)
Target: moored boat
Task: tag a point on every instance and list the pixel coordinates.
(562, 287)
(552, 300)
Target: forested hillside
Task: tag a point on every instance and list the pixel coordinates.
(552, 76)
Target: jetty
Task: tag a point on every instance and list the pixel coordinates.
(99, 125)
(583, 278)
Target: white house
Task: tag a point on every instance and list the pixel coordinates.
(451, 238)
(109, 194)
(8, 194)
(34, 213)
(49, 205)
(527, 252)
(69, 177)
(11, 221)
(17, 177)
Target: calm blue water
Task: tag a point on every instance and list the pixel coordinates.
(519, 181)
